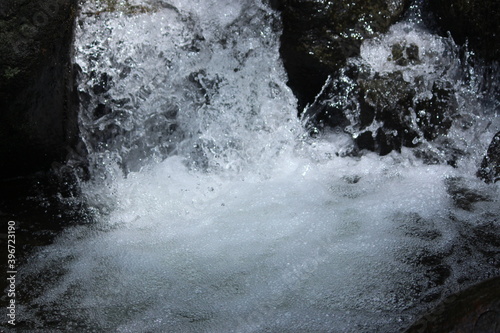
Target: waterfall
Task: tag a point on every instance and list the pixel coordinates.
(215, 209)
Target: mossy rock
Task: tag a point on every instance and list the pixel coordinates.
(113, 6)
(318, 37)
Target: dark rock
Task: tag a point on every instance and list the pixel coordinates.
(41, 205)
(490, 166)
(434, 115)
(318, 37)
(101, 110)
(487, 233)
(404, 55)
(472, 20)
(465, 194)
(381, 111)
(103, 84)
(476, 309)
(38, 121)
(366, 140)
(391, 99)
(437, 275)
(413, 225)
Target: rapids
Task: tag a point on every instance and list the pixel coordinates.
(216, 211)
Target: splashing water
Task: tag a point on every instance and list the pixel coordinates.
(196, 82)
(217, 214)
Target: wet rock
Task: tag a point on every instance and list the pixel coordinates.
(434, 115)
(490, 166)
(103, 84)
(404, 55)
(390, 99)
(318, 37)
(38, 122)
(382, 111)
(475, 21)
(127, 7)
(437, 260)
(465, 193)
(413, 225)
(476, 309)
(437, 275)
(487, 233)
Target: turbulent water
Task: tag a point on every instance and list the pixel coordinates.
(217, 212)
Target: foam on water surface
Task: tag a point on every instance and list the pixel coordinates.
(217, 214)
(321, 247)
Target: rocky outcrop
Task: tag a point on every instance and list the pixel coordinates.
(472, 20)
(318, 36)
(490, 166)
(475, 309)
(465, 193)
(383, 111)
(38, 121)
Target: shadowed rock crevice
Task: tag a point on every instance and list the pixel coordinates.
(472, 21)
(318, 37)
(38, 121)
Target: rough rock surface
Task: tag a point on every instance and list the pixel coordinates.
(38, 121)
(381, 110)
(476, 309)
(490, 167)
(318, 36)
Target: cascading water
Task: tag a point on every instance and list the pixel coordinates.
(216, 212)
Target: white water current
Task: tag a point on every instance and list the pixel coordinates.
(216, 212)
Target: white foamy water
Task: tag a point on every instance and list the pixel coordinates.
(215, 213)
